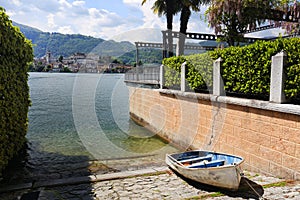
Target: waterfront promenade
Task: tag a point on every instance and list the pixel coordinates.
(148, 183)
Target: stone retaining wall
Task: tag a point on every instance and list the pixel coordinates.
(267, 135)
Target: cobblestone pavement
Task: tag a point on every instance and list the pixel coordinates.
(160, 185)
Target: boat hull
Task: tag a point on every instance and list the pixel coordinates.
(226, 176)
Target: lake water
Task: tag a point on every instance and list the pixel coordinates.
(85, 117)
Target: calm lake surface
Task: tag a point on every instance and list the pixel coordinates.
(80, 117)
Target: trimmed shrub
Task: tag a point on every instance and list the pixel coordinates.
(172, 68)
(292, 70)
(15, 54)
(247, 70)
(199, 69)
(200, 72)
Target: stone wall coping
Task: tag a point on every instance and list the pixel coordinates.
(253, 103)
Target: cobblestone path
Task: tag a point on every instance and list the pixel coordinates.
(159, 185)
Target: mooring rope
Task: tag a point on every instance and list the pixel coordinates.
(243, 175)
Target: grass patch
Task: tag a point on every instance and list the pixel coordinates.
(205, 196)
(249, 176)
(151, 174)
(217, 194)
(278, 184)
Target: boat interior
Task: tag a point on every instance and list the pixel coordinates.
(202, 159)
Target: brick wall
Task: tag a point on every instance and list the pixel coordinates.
(268, 140)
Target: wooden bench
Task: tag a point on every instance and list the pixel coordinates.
(197, 159)
(207, 164)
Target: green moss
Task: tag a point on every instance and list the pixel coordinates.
(154, 173)
(278, 184)
(215, 194)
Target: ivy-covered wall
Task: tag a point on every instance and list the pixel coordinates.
(15, 55)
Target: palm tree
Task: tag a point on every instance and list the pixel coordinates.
(168, 8)
(186, 7)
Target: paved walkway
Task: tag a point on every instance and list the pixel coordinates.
(150, 183)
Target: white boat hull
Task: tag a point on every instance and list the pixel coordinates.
(226, 176)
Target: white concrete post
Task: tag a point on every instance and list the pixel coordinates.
(182, 83)
(277, 78)
(180, 45)
(218, 85)
(161, 76)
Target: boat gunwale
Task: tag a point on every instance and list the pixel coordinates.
(210, 168)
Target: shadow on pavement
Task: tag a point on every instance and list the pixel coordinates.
(246, 188)
(39, 176)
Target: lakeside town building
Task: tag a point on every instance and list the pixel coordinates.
(79, 62)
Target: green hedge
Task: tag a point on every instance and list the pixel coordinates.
(245, 70)
(172, 68)
(15, 54)
(198, 71)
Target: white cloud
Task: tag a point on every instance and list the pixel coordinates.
(16, 2)
(88, 17)
(152, 20)
(95, 13)
(197, 23)
(64, 4)
(66, 30)
(133, 2)
(50, 19)
(149, 18)
(80, 16)
(270, 33)
(140, 35)
(11, 13)
(102, 18)
(49, 6)
(78, 3)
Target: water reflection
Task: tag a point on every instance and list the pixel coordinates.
(57, 147)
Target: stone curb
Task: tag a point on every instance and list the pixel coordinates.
(84, 179)
(10, 188)
(260, 104)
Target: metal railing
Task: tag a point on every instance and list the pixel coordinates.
(144, 74)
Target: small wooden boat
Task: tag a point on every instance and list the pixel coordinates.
(211, 168)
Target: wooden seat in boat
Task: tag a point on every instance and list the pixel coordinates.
(196, 159)
(207, 164)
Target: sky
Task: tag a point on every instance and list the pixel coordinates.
(106, 19)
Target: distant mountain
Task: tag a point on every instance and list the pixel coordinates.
(146, 56)
(112, 48)
(67, 44)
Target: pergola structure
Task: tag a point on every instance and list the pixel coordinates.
(146, 75)
(162, 46)
(196, 36)
(199, 36)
